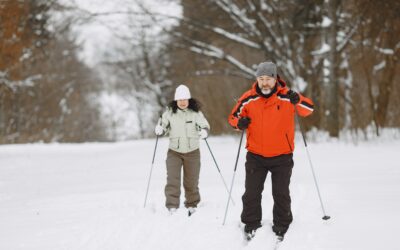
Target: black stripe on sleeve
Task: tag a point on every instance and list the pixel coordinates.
(307, 104)
(242, 103)
(283, 96)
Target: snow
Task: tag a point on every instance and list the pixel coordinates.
(324, 49)
(236, 37)
(326, 22)
(300, 83)
(397, 46)
(379, 66)
(213, 51)
(115, 19)
(13, 85)
(238, 15)
(265, 6)
(385, 51)
(91, 195)
(120, 113)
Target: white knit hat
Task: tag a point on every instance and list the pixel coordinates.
(182, 93)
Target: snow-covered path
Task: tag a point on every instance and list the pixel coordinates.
(90, 196)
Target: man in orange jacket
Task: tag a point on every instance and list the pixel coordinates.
(268, 111)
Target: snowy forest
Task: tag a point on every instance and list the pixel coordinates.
(90, 160)
(77, 71)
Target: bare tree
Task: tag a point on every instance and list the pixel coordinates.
(43, 87)
(313, 42)
(232, 37)
(379, 51)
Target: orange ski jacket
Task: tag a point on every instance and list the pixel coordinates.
(271, 130)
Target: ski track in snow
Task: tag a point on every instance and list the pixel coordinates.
(91, 196)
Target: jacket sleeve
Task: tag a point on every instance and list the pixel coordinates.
(237, 112)
(202, 122)
(164, 120)
(305, 106)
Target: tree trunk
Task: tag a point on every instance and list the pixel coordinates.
(385, 87)
(331, 88)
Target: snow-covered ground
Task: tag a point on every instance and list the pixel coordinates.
(90, 196)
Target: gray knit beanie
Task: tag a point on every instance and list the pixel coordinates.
(266, 69)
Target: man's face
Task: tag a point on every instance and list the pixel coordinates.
(182, 104)
(266, 83)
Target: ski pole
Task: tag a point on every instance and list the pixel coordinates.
(151, 171)
(233, 178)
(152, 164)
(219, 171)
(325, 217)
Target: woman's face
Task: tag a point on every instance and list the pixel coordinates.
(182, 104)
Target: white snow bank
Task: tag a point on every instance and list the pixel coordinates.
(90, 196)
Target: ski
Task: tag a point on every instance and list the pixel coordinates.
(278, 241)
(172, 211)
(249, 236)
(191, 211)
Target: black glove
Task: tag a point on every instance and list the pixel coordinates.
(293, 96)
(243, 123)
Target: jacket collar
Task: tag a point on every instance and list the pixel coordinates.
(260, 93)
(279, 86)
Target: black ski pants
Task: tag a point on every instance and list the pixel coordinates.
(257, 168)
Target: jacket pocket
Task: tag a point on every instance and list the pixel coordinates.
(193, 142)
(247, 138)
(174, 142)
(288, 142)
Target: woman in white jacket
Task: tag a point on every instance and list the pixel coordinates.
(185, 124)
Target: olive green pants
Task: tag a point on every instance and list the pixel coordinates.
(191, 171)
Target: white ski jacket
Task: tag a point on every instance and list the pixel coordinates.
(183, 129)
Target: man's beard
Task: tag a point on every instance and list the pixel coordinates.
(266, 91)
